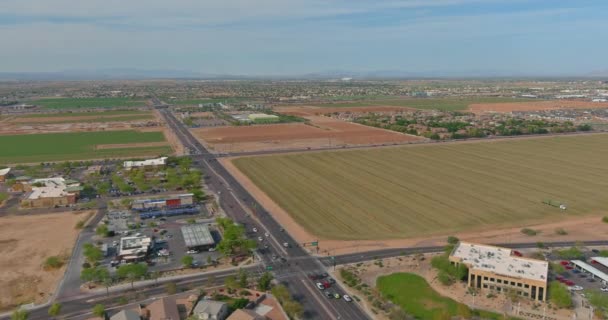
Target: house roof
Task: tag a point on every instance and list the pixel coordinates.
(163, 309)
(126, 315)
(208, 307)
(4, 171)
(244, 314)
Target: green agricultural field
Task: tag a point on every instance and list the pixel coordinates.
(35, 148)
(447, 104)
(433, 189)
(414, 295)
(87, 103)
(93, 117)
(86, 114)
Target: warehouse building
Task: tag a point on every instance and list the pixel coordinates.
(49, 192)
(128, 165)
(134, 248)
(197, 237)
(498, 269)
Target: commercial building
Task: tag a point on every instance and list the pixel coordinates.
(4, 173)
(128, 165)
(498, 269)
(134, 248)
(594, 273)
(49, 192)
(186, 199)
(197, 236)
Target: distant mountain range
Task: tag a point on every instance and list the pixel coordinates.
(135, 74)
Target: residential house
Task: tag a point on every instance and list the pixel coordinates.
(162, 309)
(245, 314)
(210, 310)
(126, 315)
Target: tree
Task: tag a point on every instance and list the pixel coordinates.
(559, 294)
(19, 315)
(187, 261)
(102, 230)
(96, 274)
(170, 288)
(281, 293)
(107, 282)
(453, 240)
(99, 310)
(54, 309)
(293, 309)
(264, 281)
(132, 272)
(243, 281)
(234, 240)
(92, 253)
(231, 284)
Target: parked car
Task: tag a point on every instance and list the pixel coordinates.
(347, 298)
(329, 294)
(255, 229)
(604, 289)
(191, 251)
(320, 286)
(576, 288)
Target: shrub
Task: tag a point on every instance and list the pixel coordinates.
(561, 232)
(53, 262)
(605, 219)
(529, 232)
(453, 240)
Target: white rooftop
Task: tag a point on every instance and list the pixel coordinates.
(500, 261)
(134, 245)
(52, 188)
(591, 269)
(601, 260)
(4, 171)
(150, 162)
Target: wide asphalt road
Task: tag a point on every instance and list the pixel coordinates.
(242, 207)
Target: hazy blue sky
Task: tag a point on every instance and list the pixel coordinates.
(278, 37)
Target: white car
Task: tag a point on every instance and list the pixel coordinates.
(576, 288)
(266, 234)
(605, 289)
(255, 229)
(211, 249)
(191, 251)
(320, 286)
(347, 298)
(285, 244)
(260, 239)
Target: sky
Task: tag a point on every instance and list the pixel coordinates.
(294, 37)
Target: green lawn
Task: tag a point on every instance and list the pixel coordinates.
(3, 196)
(447, 104)
(33, 148)
(412, 293)
(88, 103)
(435, 189)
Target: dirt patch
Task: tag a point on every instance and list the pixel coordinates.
(130, 145)
(25, 243)
(579, 229)
(320, 132)
(535, 106)
(201, 114)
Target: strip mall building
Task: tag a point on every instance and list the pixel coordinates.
(499, 269)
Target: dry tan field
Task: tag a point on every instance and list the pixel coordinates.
(321, 132)
(535, 106)
(25, 243)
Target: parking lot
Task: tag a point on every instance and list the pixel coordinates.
(168, 245)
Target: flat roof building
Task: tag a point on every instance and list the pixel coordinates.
(197, 236)
(128, 165)
(263, 118)
(134, 248)
(497, 268)
(50, 192)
